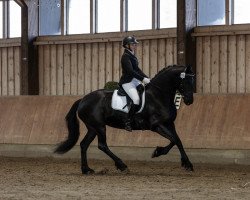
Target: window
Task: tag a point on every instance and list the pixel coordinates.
(78, 16)
(1, 19)
(220, 12)
(50, 17)
(211, 12)
(168, 13)
(108, 16)
(241, 9)
(10, 19)
(15, 19)
(98, 16)
(139, 14)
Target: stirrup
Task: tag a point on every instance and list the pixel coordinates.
(128, 126)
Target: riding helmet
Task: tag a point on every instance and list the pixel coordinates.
(129, 40)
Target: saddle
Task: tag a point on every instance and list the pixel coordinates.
(122, 102)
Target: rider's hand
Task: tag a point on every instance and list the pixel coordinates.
(146, 80)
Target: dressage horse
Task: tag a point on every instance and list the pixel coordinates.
(158, 115)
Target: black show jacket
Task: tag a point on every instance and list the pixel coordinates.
(130, 68)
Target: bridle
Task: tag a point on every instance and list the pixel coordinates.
(183, 75)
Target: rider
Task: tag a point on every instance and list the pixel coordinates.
(131, 77)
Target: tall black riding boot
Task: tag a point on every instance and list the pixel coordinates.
(130, 117)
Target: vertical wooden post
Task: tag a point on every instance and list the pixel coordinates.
(29, 62)
(186, 22)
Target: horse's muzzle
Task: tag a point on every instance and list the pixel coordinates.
(188, 100)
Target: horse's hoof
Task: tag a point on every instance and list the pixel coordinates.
(157, 152)
(88, 171)
(125, 171)
(190, 168)
(121, 167)
(187, 165)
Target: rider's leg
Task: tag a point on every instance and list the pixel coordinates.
(130, 89)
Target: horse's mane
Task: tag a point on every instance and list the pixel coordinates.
(161, 71)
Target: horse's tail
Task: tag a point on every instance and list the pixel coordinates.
(73, 130)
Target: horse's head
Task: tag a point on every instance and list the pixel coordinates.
(186, 85)
(176, 77)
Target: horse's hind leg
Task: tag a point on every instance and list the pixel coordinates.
(89, 137)
(102, 145)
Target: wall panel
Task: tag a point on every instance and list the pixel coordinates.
(10, 65)
(76, 65)
(199, 65)
(53, 69)
(73, 69)
(206, 65)
(248, 64)
(232, 64)
(102, 66)
(59, 64)
(81, 69)
(88, 68)
(10, 71)
(241, 64)
(66, 69)
(145, 57)
(215, 64)
(209, 123)
(223, 52)
(223, 66)
(4, 71)
(153, 64)
(109, 63)
(116, 61)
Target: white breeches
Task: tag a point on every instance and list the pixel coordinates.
(130, 89)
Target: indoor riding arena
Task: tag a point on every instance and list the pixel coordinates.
(54, 52)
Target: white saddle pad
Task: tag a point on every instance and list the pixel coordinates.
(120, 102)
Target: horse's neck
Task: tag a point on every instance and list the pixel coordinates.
(164, 85)
(163, 93)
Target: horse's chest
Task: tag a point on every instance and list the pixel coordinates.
(169, 114)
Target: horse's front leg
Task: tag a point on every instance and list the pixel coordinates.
(162, 150)
(169, 132)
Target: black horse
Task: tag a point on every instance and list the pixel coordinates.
(158, 115)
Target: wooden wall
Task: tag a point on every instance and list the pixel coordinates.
(223, 59)
(10, 66)
(212, 122)
(78, 64)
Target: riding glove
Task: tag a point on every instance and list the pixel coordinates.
(146, 80)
